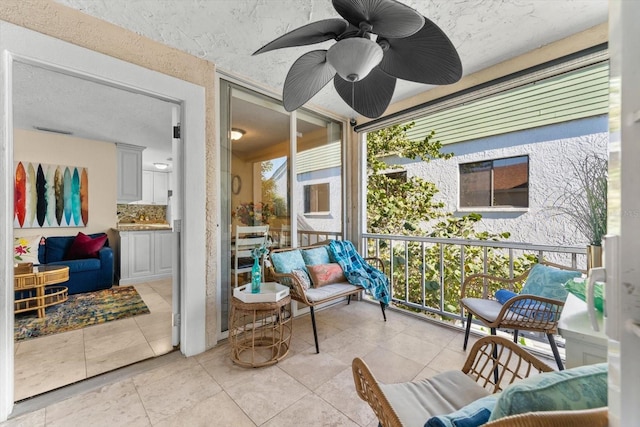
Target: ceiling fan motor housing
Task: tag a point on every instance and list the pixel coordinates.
(354, 58)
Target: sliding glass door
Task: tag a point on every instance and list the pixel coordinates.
(261, 144)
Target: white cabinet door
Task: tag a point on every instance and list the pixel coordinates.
(145, 255)
(160, 188)
(164, 252)
(141, 256)
(147, 187)
(129, 173)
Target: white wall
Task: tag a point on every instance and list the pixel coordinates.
(97, 156)
(550, 150)
(320, 222)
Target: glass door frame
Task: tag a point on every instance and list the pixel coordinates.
(224, 82)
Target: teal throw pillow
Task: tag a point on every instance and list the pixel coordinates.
(316, 256)
(578, 388)
(475, 414)
(287, 261)
(548, 282)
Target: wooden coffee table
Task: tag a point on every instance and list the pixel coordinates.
(37, 292)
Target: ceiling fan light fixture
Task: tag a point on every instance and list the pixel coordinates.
(354, 58)
(237, 133)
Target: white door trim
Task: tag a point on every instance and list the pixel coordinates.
(18, 43)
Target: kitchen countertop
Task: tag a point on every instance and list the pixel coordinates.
(142, 227)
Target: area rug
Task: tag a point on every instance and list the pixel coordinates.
(80, 310)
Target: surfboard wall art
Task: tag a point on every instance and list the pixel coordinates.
(50, 196)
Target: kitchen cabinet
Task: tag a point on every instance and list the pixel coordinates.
(129, 172)
(154, 188)
(145, 255)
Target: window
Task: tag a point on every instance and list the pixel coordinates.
(495, 183)
(316, 198)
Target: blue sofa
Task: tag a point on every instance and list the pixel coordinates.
(85, 275)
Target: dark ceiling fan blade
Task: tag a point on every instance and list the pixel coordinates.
(310, 73)
(389, 18)
(426, 57)
(315, 32)
(370, 96)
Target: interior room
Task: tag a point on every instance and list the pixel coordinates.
(366, 143)
(62, 119)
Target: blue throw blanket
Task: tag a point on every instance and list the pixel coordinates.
(358, 272)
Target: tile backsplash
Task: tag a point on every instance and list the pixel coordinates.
(154, 213)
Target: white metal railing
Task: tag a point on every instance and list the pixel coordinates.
(426, 273)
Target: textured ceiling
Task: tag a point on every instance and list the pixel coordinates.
(227, 32)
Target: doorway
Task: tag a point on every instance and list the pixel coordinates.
(25, 46)
(61, 119)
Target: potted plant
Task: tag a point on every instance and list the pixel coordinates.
(584, 200)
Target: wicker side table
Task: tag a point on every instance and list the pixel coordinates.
(260, 332)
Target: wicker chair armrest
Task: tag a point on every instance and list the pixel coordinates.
(512, 363)
(368, 389)
(478, 282)
(538, 313)
(597, 417)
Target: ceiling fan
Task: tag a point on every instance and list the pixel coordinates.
(378, 41)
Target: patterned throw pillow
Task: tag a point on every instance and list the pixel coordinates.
(548, 282)
(25, 249)
(325, 274)
(583, 387)
(302, 277)
(316, 256)
(287, 261)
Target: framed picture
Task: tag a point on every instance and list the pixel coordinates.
(236, 184)
(50, 195)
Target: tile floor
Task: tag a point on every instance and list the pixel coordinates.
(44, 364)
(304, 389)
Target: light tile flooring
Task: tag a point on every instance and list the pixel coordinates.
(44, 364)
(304, 389)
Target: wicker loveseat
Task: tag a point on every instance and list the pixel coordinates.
(281, 263)
(500, 385)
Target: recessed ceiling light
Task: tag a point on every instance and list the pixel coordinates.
(161, 166)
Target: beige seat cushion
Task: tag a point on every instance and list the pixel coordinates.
(489, 309)
(329, 291)
(416, 402)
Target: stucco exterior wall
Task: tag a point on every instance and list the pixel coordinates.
(551, 149)
(70, 25)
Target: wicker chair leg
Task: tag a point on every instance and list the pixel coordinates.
(467, 330)
(554, 348)
(515, 336)
(315, 332)
(349, 300)
(384, 314)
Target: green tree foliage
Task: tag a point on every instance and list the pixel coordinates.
(270, 198)
(399, 204)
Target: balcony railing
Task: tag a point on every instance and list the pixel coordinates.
(426, 273)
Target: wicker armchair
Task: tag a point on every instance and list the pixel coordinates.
(539, 314)
(489, 355)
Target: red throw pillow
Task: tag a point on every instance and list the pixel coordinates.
(325, 274)
(84, 246)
